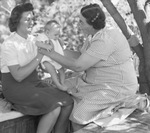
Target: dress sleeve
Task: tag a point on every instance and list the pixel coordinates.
(101, 47)
(9, 54)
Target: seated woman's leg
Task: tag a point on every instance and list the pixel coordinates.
(63, 119)
(48, 121)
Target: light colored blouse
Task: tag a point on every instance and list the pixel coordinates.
(17, 51)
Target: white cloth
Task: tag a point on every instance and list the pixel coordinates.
(17, 51)
(57, 48)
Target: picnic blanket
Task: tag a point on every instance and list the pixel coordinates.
(137, 122)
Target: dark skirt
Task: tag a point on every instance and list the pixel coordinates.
(31, 96)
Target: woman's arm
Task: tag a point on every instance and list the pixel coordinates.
(61, 75)
(47, 46)
(71, 53)
(80, 64)
(20, 73)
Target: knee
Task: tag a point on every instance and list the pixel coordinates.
(56, 111)
(67, 109)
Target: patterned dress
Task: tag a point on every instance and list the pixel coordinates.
(105, 86)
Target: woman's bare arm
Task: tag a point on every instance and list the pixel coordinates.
(20, 73)
(80, 64)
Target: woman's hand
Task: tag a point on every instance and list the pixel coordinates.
(133, 41)
(51, 44)
(39, 53)
(39, 43)
(48, 46)
(45, 52)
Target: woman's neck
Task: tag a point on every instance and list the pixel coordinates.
(94, 32)
(24, 35)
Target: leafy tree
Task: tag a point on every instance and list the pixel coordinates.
(142, 50)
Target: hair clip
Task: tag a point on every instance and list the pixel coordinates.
(95, 17)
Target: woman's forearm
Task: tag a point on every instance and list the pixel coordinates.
(66, 62)
(20, 73)
(71, 54)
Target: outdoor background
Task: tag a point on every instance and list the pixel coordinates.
(66, 13)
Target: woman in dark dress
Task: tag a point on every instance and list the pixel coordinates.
(21, 86)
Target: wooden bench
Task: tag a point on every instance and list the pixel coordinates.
(15, 122)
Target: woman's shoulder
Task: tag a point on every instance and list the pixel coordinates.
(10, 39)
(104, 33)
(114, 31)
(109, 32)
(9, 43)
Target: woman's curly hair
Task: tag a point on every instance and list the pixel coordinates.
(94, 16)
(16, 15)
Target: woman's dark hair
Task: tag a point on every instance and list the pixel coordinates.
(16, 15)
(94, 16)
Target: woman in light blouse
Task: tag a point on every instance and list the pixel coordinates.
(21, 86)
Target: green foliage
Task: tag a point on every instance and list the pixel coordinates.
(66, 13)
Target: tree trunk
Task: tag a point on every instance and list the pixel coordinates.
(144, 88)
(140, 17)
